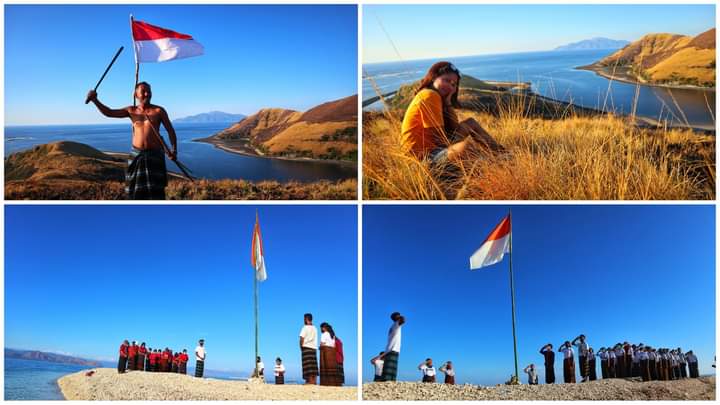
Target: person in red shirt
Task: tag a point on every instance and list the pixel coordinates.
(182, 366)
(132, 356)
(122, 360)
(142, 352)
(164, 360)
(175, 363)
(153, 360)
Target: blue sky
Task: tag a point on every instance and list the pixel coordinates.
(80, 279)
(289, 56)
(614, 273)
(431, 31)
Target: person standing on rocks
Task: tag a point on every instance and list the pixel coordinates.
(123, 356)
(693, 364)
(392, 350)
(142, 352)
(619, 361)
(603, 362)
(428, 371)
(328, 357)
(182, 365)
(259, 368)
(132, 356)
(568, 362)
(279, 372)
(532, 374)
(636, 360)
(449, 372)
(627, 372)
(612, 362)
(644, 364)
(592, 365)
(308, 350)
(200, 358)
(683, 363)
(549, 354)
(377, 363)
(582, 348)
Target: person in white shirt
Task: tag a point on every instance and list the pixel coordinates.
(683, 363)
(568, 362)
(582, 348)
(279, 372)
(308, 350)
(644, 364)
(428, 371)
(449, 371)
(392, 350)
(532, 374)
(619, 361)
(328, 357)
(602, 354)
(378, 362)
(652, 363)
(259, 368)
(693, 364)
(592, 365)
(200, 358)
(612, 363)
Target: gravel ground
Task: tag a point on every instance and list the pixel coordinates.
(107, 384)
(613, 389)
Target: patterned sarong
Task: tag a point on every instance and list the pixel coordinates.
(390, 367)
(280, 379)
(122, 363)
(569, 370)
(146, 175)
(341, 373)
(328, 367)
(199, 368)
(309, 363)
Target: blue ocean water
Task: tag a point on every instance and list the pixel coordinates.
(553, 74)
(205, 160)
(35, 380)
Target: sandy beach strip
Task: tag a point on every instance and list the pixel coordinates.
(702, 388)
(107, 384)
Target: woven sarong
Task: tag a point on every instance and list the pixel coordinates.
(199, 368)
(569, 370)
(328, 367)
(280, 379)
(449, 379)
(390, 367)
(309, 363)
(122, 363)
(146, 175)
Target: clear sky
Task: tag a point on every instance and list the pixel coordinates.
(430, 31)
(645, 274)
(80, 279)
(288, 56)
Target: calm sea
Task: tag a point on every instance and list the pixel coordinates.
(553, 75)
(203, 159)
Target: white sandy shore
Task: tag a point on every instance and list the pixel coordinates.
(107, 384)
(612, 389)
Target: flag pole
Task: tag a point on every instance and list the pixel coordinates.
(512, 297)
(257, 372)
(137, 65)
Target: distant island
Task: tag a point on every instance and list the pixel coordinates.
(51, 357)
(593, 43)
(670, 60)
(210, 117)
(328, 131)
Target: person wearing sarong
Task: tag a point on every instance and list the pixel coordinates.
(328, 358)
(636, 361)
(152, 358)
(259, 368)
(132, 356)
(549, 355)
(428, 371)
(174, 361)
(146, 176)
(148, 355)
(164, 359)
(603, 355)
(200, 358)
(619, 361)
(612, 363)
(693, 364)
(449, 372)
(568, 362)
(340, 357)
(392, 350)
(142, 352)
(123, 356)
(683, 363)
(627, 348)
(644, 364)
(308, 350)
(582, 348)
(182, 364)
(532, 374)
(377, 363)
(592, 365)
(279, 372)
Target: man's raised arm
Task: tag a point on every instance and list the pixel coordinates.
(105, 110)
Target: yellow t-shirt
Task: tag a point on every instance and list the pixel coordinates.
(424, 114)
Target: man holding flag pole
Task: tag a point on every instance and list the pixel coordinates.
(492, 251)
(146, 175)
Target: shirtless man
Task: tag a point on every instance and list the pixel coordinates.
(146, 175)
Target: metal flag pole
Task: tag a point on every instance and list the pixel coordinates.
(512, 297)
(137, 64)
(257, 372)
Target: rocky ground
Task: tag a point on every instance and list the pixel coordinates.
(612, 389)
(107, 384)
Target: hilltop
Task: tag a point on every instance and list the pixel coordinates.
(328, 132)
(663, 59)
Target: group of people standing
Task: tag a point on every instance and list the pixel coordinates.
(136, 357)
(331, 371)
(623, 360)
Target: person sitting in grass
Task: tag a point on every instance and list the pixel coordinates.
(430, 128)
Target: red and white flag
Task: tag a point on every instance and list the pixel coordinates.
(258, 258)
(156, 44)
(494, 247)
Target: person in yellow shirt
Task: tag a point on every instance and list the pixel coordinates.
(430, 128)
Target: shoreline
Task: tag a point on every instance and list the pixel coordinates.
(222, 145)
(601, 71)
(107, 384)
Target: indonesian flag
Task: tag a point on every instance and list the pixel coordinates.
(156, 44)
(494, 247)
(258, 260)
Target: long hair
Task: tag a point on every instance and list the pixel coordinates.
(439, 69)
(329, 329)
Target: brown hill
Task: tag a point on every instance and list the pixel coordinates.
(260, 126)
(668, 59)
(345, 109)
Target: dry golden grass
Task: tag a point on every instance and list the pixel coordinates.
(570, 158)
(307, 136)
